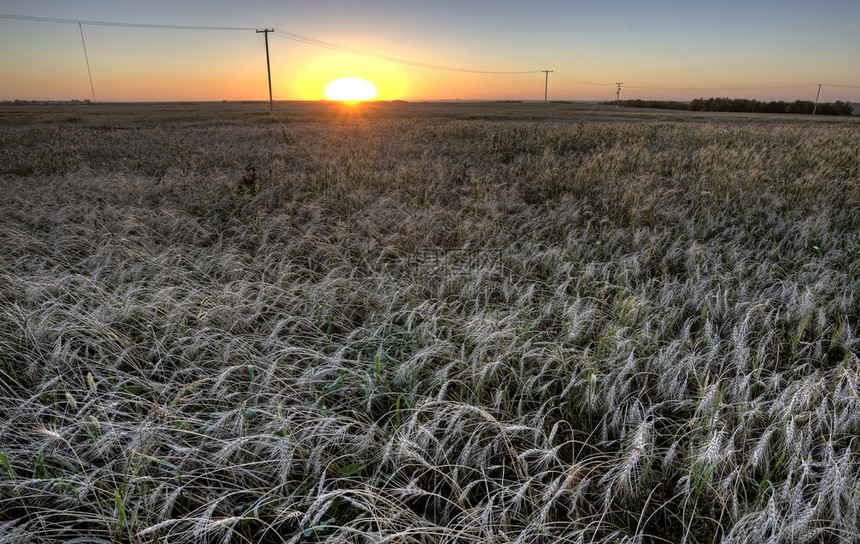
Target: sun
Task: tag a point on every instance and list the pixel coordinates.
(350, 89)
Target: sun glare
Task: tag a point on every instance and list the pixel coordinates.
(350, 89)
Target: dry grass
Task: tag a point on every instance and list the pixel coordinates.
(425, 328)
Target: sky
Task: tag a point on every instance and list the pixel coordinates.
(663, 49)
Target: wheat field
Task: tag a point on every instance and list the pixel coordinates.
(428, 324)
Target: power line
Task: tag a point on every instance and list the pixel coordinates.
(369, 54)
(722, 88)
(575, 80)
(756, 88)
(387, 58)
(278, 32)
(118, 24)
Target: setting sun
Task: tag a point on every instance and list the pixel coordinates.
(350, 89)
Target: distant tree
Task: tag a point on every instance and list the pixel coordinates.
(656, 104)
(743, 105)
(755, 106)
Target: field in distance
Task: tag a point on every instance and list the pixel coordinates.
(170, 112)
(428, 322)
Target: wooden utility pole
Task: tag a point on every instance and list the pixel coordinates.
(268, 66)
(87, 58)
(618, 95)
(815, 107)
(546, 85)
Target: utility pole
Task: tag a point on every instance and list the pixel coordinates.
(546, 85)
(268, 66)
(816, 99)
(87, 58)
(618, 95)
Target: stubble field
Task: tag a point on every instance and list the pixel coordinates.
(423, 323)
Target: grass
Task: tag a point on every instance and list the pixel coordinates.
(508, 323)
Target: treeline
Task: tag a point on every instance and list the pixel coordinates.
(657, 104)
(754, 106)
(743, 105)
